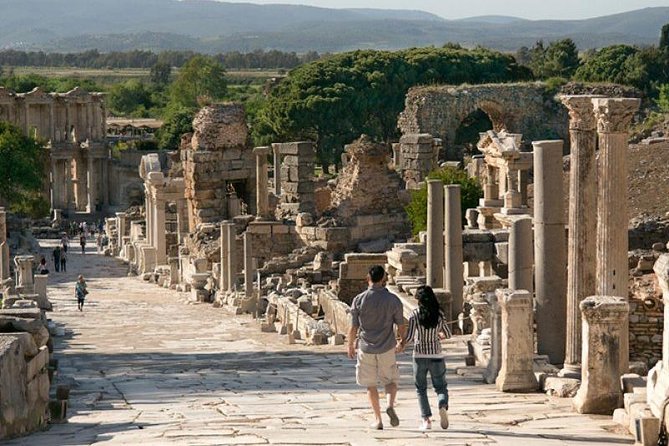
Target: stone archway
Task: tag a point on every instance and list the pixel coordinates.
(467, 133)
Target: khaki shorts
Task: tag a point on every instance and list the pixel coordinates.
(374, 369)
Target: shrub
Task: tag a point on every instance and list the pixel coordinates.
(471, 192)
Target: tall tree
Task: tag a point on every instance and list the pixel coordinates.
(22, 163)
(201, 79)
(160, 74)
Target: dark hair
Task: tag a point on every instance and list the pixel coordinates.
(377, 273)
(428, 307)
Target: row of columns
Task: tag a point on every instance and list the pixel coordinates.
(597, 247)
(71, 189)
(445, 268)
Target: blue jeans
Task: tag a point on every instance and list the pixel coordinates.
(437, 369)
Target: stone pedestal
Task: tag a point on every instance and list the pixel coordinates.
(550, 250)
(40, 291)
(581, 246)
(435, 234)
(614, 117)
(517, 360)
(25, 280)
(262, 188)
(600, 391)
(521, 255)
(453, 267)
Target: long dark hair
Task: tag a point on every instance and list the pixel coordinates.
(428, 307)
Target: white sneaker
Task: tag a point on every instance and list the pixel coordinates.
(443, 416)
(425, 424)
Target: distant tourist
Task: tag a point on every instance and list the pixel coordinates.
(56, 258)
(373, 315)
(65, 242)
(82, 242)
(427, 325)
(98, 242)
(63, 261)
(41, 268)
(80, 292)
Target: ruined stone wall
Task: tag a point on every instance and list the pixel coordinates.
(297, 185)
(646, 319)
(526, 108)
(218, 158)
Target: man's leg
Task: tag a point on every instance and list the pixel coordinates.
(391, 394)
(373, 394)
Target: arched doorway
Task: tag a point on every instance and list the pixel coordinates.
(467, 134)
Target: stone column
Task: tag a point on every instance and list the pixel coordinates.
(603, 317)
(223, 284)
(105, 182)
(523, 182)
(4, 247)
(512, 198)
(435, 233)
(70, 200)
(24, 274)
(495, 362)
(396, 156)
(262, 187)
(231, 238)
(91, 177)
(521, 255)
(54, 182)
(453, 268)
(581, 246)
(517, 363)
(550, 250)
(182, 220)
(159, 231)
(248, 266)
(276, 150)
(614, 117)
(148, 211)
(490, 188)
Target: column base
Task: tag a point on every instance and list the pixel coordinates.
(572, 371)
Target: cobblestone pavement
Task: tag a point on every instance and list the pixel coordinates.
(148, 369)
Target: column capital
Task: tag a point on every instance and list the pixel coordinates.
(276, 148)
(614, 115)
(580, 108)
(262, 151)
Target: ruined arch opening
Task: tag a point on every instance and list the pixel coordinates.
(467, 134)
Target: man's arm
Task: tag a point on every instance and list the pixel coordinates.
(401, 334)
(352, 335)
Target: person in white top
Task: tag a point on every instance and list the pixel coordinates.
(427, 326)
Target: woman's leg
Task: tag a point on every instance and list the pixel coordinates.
(420, 379)
(438, 375)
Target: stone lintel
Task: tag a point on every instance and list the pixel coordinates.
(614, 115)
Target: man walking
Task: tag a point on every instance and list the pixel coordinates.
(56, 258)
(373, 315)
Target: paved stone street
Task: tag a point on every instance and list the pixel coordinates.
(147, 368)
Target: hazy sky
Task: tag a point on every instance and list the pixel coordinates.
(531, 9)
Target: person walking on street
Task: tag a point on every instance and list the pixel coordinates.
(65, 242)
(63, 261)
(98, 242)
(56, 258)
(80, 292)
(82, 242)
(41, 268)
(374, 313)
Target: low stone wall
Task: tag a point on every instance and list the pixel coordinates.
(353, 274)
(646, 320)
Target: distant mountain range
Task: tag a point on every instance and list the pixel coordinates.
(211, 26)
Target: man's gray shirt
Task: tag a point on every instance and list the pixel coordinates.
(374, 312)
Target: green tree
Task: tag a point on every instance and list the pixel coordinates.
(470, 191)
(177, 121)
(558, 59)
(22, 162)
(130, 98)
(663, 98)
(664, 38)
(160, 74)
(202, 78)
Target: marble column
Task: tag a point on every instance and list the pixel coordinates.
(160, 231)
(70, 199)
(276, 151)
(521, 255)
(4, 247)
(512, 197)
(248, 266)
(517, 362)
(550, 250)
(232, 256)
(223, 283)
(581, 245)
(495, 362)
(454, 260)
(614, 117)
(262, 187)
(104, 162)
(148, 211)
(435, 233)
(603, 317)
(91, 179)
(490, 188)
(182, 220)
(55, 189)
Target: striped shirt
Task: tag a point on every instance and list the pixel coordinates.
(426, 340)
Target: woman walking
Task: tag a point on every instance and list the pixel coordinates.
(82, 242)
(80, 292)
(427, 325)
(63, 261)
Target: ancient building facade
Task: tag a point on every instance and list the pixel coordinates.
(72, 126)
